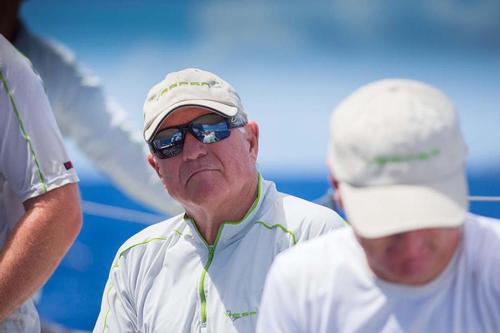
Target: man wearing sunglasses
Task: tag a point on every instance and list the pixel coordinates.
(203, 271)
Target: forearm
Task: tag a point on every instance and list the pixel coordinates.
(37, 245)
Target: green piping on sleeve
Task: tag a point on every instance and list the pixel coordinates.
(287, 231)
(108, 311)
(116, 264)
(23, 132)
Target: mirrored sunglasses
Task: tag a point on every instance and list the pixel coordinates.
(209, 128)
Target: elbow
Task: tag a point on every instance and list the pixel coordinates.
(68, 214)
(74, 221)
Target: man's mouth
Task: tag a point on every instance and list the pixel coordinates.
(198, 171)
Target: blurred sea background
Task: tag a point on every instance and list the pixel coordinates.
(291, 62)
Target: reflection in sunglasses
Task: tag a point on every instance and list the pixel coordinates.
(209, 137)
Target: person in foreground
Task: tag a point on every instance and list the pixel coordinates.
(40, 214)
(414, 259)
(204, 270)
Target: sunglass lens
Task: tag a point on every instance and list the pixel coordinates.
(168, 138)
(211, 133)
(171, 151)
(169, 142)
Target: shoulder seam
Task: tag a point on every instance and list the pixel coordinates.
(146, 242)
(289, 232)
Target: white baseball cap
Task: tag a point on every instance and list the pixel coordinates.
(398, 154)
(188, 87)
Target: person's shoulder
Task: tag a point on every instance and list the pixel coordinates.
(307, 259)
(482, 238)
(14, 66)
(149, 240)
(308, 269)
(27, 98)
(7, 51)
(486, 228)
(305, 210)
(304, 219)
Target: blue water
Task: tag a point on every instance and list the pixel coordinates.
(72, 296)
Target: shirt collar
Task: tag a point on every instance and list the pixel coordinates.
(231, 231)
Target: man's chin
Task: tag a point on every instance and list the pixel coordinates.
(203, 188)
(416, 274)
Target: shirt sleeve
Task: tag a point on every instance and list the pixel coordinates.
(277, 311)
(117, 312)
(98, 126)
(33, 159)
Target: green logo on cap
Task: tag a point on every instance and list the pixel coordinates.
(422, 156)
(179, 84)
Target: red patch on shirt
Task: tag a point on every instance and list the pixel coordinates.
(68, 165)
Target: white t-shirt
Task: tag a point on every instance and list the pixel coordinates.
(326, 286)
(167, 279)
(33, 160)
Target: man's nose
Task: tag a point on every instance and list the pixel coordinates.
(414, 243)
(193, 148)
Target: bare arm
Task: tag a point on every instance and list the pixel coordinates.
(37, 244)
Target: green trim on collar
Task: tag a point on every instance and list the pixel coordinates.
(188, 218)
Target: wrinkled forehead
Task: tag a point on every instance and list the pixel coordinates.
(184, 115)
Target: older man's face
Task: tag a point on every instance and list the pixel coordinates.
(208, 174)
(412, 258)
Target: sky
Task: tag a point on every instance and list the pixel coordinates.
(291, 61)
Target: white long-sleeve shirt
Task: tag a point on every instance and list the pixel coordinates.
(98, 126)
(167, 279)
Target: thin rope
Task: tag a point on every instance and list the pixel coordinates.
(479, 198)
(135, 216)
(120, 213)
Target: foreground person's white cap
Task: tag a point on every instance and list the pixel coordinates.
(397, 151)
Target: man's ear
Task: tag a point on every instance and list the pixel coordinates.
(336, 193)
(252, 132)
(154, 165)
(337, 198)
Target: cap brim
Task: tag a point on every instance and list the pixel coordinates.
(378, 211)
(222, 109)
